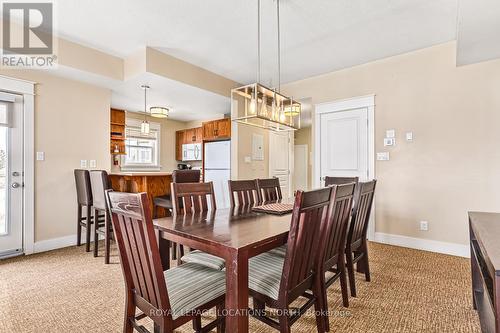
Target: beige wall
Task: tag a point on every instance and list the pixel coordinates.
(71, 124)
(303, 137)
(167, 144)
(254, 169)
(453, 165)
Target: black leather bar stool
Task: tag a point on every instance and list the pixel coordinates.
(100, 182)
(84, 199)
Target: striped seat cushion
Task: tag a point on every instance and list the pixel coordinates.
(264, 274)
(192, 285)
(280, 251)
(202, 258)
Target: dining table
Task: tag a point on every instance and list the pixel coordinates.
(235, 234)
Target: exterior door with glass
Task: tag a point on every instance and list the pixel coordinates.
(11, 175)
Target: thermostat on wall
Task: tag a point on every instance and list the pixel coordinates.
(389, 142)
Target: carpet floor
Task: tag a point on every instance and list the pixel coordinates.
(68, 290)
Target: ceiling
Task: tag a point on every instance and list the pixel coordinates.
(318, 36)
(186, 103)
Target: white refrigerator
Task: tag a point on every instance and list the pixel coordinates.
(218, 169)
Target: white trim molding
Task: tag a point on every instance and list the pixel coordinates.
(454, 249)
(61, 242)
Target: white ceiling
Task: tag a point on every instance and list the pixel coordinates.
(318, 36)
(185, 102)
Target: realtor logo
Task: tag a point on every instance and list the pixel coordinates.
(27, 37)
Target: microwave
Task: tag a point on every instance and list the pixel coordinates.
(192, 152)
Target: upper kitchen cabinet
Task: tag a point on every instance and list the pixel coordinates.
(117, 132)
(217, 130)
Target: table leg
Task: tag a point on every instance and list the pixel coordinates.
(164, 247)
(237, 292)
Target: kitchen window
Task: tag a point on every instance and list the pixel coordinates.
(142, 150)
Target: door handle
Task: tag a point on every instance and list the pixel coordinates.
(15, 185)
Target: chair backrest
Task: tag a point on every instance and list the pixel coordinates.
(334, 231)
(192, 197)
(83, 188)
(245, 191)
(340, 180)
(186, 176)
(99, 182)
(138, 249)
(309, 213)
(269, 189)
(361, 212)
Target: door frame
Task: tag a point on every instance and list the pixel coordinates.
(27, 90)
(346, 105)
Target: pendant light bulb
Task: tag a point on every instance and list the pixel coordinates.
(145, 127)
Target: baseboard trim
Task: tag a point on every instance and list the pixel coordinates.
(453, 249)
(59, 243)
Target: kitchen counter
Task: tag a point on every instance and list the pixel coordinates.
(153, 183)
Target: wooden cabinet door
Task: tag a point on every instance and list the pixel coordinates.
(179, 141)
(198, 134)
(209, 130)
(223, 129)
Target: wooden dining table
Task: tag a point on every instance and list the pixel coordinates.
(235, 234)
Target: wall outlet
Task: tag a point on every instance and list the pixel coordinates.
(83, 164)
(40, 156)
(409, 136)
(424, 225)
(93, 163)
(390, 133)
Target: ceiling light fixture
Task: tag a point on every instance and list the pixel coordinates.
(145, 123)
(159, 111)
(257, 105)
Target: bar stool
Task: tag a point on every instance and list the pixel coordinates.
(99, 181)
(84, 199)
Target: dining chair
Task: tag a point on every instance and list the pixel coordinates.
(191, 198)
(278, 281)
(340, 180)
(100, 182)
(269, 189)
(165, 201)
(331, 256)
(357, 247)
(244, 191)
(84, 200)
(171, 298)
(178, 176)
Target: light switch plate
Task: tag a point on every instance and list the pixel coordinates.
(390, 133)
(383, 156)
(40, 156)
(248, 159)
(93, 163)
(83, 164)
(389, 142)
(409, 136)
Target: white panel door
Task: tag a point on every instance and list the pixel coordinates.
(11, 177)
(344, 144)
(279, 160)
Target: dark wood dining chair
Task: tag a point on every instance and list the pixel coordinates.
(243, 192)
(84, 201)
(191, 198)
(340, 180)
(331, 257)
(357, 247)
(171, 298)
(178, 176)
(278, 281)
(100, 182)
(269, 189)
